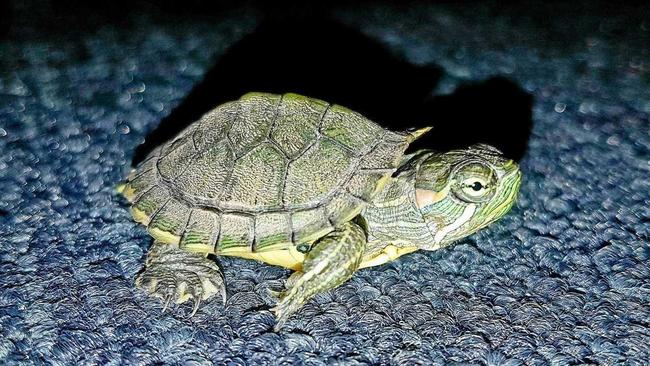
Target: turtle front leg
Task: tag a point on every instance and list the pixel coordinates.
(331, 261)
(175, 274)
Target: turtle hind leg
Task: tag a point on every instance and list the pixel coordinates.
(177, 275)
(332, 261)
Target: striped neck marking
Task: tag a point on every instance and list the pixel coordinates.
(462, 219)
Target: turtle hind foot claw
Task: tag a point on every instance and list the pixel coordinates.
(173, 274)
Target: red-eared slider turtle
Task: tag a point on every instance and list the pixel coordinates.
(297, 182)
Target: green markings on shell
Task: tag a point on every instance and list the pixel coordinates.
(149, 203)
(236, 233)
(169, 222)
(257, 179)
(316, 172)
(253, 122)
(142, 181)
(350, 128)
(176, 158)
(214, 125)
(309, 225)
(297, 123)
(272, 230)
(207, 174)
(142, 178)
(200, 230)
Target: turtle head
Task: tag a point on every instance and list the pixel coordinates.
(462, 191)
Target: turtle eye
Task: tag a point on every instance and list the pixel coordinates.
(475, 183)
(474, 187)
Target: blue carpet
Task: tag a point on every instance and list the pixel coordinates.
(563, 279)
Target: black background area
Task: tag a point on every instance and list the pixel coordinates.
(327, 60)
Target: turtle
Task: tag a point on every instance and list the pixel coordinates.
(314, 187)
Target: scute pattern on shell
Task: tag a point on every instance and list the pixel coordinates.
(262, 173)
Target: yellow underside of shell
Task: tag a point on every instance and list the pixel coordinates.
(286, 257)
(388, 254)
(292, 259)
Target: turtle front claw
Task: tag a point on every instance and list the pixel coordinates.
(331, 261)
(172, 274)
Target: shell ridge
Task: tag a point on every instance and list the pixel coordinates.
(196, 148)
(169, 182)
(290, 224)
(140, 193)
(346, 148)
(322, 119)
(166, 150)
(141, 173)
(284, 182)
(354, 168)
(187, 222)
(143, 192)
(309, 146)
(268, 139)
(231, 148)
(251, 234)
(216, 228)
(275, 118)
(275, 145)
(377, 170)
(286, 173)
(216, 234)
(159, 209)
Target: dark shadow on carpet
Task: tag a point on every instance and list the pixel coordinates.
(327, 60)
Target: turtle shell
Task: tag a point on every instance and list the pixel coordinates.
(262, 173)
